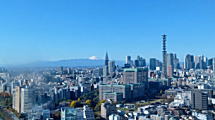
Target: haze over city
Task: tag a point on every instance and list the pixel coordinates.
(71, 29)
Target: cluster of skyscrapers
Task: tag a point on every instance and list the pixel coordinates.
(134, 79)
(199, 62)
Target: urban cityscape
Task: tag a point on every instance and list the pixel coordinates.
(138, 90)
(107, 60)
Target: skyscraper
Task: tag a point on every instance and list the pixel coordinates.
(197, 60)
(189, 62)
(26, 99)
(176, 62)
(111, 67)
(152, 63)
(105, 71)
(23, 99)
(203, 64)
(128, 60)
(105, 68)
(106, 59)
(200, 62)
(164, 66)
(140, 62)
(170, 64)
(17, 99)
(210, 63)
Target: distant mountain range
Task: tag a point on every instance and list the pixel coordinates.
(71, 63)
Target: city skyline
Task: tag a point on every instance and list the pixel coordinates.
(107, 60)
(43, 31)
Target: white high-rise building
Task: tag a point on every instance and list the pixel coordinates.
(17, 99)
(26, 100)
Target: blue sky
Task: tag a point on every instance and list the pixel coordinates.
(37, 30)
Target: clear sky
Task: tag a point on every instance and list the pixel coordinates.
(37, 30)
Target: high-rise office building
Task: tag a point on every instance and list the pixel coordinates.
(197, 60)
(26, 100)
(158, 65)
(105, 71)
(111, 67)
(164, 52)
(170, 59)
(23, 99)
(189, 62)
(105, 68)
(155, 64)
(170, 64)
(135, 75)
(128, 60)
(106, 59)
(199, 99)
(203, 64)
(17, 99)
(170, 71)
(210, 63)
(176, 62)
(140, 62)
(152, 64)
(200, 62)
